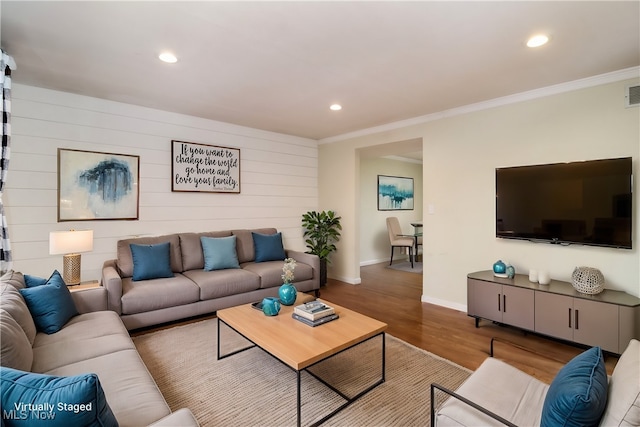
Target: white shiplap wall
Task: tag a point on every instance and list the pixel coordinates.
(279, 178)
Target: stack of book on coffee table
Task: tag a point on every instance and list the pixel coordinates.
(314, 313)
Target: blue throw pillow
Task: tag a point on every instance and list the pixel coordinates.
(219, 253)
(30, 399)
(151, 261)
(577, 395)
(31, 281)
(50, 305)
(268, 247)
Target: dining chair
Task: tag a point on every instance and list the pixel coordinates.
(397, 239)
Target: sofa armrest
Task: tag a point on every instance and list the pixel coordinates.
(112, 282)
(463, 399)
(182, 417)
(90, 300)
(308, 259)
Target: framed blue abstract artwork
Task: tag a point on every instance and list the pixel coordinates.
(395, 193)
(97, 186)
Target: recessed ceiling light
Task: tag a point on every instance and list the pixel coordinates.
(335, 107)
(168, 57)
(537, 40)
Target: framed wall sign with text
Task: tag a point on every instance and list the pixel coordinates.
(204, 168)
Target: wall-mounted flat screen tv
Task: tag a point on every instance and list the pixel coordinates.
(586, 202)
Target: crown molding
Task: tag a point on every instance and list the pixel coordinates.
(614, 76)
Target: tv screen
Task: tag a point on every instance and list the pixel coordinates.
(585, 202)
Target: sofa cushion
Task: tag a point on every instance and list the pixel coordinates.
(13, 303)
(149, 295)
(244, 243)
(13, 278)
(125, 260)
(50, 305)
(133, 396)
(151, 261)
(222, 283)
(67, 401)
(15, 348)
(191, 248)
(270, 272)
(577, 396)
(623, 407)
(268, 247)
(219, 253)
(85, 326)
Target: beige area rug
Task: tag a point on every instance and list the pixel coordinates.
(252, 388)
(406, 266)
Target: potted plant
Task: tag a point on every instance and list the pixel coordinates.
(321, 232)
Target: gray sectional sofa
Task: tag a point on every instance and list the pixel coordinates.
(191, 290)
(94, 341)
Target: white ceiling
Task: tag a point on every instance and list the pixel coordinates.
(279, 65)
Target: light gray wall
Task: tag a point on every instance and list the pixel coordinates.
(278, 175)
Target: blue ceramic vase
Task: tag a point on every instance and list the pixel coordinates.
(270, 306)
(287, 294)
(499, 267)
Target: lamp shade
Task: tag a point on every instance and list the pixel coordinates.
(67, 242)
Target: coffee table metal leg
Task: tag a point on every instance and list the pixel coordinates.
(299, 401)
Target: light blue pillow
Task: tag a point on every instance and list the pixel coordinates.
(151, 261)
(51, 304)
(577, 395)
(65, 401)
(219, 253)
(268, 247)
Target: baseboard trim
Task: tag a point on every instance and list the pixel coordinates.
(348, 280)
(444, 303)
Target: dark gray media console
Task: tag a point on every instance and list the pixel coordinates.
(609, 319)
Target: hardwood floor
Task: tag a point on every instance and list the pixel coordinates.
(394, 296)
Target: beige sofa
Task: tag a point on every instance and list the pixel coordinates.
(497, 390)
(94, 341)
(192, 291)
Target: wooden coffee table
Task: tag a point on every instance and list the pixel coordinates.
(299, 346)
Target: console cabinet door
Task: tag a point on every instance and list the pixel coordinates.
(518, 307)
(554, 315)
(596, 324)
(484, 300)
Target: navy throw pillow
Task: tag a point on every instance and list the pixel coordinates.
(151, 261)
(56, 401)
(50, 304)
(577, 396)
(268, 247)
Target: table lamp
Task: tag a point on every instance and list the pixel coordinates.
(71, 243)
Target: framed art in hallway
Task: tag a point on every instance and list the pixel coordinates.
(395, 193)
(97, 186)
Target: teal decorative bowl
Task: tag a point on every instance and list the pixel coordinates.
(287, 294)
(270, 306)
(499, 267)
